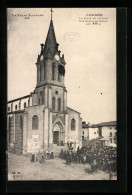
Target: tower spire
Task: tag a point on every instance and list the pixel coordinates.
(50, 43)
(51, 13)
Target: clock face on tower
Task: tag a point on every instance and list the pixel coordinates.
(57, 57)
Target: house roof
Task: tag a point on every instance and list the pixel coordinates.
(20, 98)
(85, 126)
(111, 123)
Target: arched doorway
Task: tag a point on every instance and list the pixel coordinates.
(56, 137)
(56, 133)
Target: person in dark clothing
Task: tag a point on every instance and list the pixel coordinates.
(67, 160)
(39, 156)
(33, 157)
(67, 157)
(42, 159)
(70, 159)
(51, 155)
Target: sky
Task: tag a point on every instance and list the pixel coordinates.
(89, 50)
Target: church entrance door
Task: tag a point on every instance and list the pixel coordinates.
(56, 137)
(57, 133)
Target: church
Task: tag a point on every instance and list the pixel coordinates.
(42, 120)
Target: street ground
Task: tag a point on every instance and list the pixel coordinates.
(21, 168)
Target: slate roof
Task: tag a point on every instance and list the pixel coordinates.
(51, 46)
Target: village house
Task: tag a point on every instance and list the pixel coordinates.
(106, 131)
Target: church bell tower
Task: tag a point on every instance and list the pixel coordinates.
(50, 65)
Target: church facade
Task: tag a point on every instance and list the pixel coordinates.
(42, 119)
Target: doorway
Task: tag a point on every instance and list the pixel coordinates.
(58, 134)
(56, 137)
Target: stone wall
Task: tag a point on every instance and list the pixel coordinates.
(35, 137)
(106, 130)
(48, 79)
(93, 133)
(18, 134)
(74, 135)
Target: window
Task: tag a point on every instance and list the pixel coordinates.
(115, 134)
(24, 104)
(110, 140)
(15, 107)
(41, 100)
(35, 122)
(53, 71)
(8, 108)
(94, 132)
(82, 137)
(21, 122)
(73, 124)
(59, 104)
(83, 132)
(110, 134)
(53, 103)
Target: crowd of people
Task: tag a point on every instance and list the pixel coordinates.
(100, 158)
(41, 157)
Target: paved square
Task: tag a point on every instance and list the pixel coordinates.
(55, 169)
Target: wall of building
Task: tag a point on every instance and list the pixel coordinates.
(107, 130)
(11, 107)
(60, 90)
(50, 91)
(80, 131)
(41, 96)
(74, 135)
(93, 133)
(15, 132)
(18, 134)
(85, 133)
(34, 99)
(48, 78)
(35, 137)
(10, 130)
